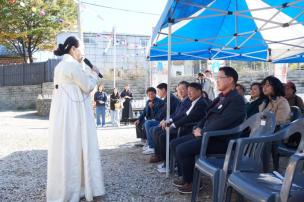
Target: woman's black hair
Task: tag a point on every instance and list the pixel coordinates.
(66, 47)
(276, 84)
(260, 88)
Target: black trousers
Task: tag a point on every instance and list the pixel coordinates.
(159, 137)
(185, 149)
(140, 131)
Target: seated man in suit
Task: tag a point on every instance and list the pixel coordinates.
(184, 105)
(161, 114)
(152, 106)
(226, 111)
(193, 114)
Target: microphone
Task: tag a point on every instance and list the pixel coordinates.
(87, 62)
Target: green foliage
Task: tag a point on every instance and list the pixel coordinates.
(29, 25)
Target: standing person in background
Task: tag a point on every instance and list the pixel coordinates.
(74, 168)
(127, 112)
(100, 97)
(115, 106)
(209, 85)
(201, 79)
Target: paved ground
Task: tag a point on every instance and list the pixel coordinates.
(128, 175)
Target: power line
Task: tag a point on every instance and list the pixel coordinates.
(120, 9)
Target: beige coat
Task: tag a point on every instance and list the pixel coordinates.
(280, 107)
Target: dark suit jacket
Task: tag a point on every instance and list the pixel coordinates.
(253, 107)
(197, 113)
(227, 114)
(181, 109)
(174, 102)
(150, 114)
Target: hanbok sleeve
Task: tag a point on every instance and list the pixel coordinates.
(85, 81)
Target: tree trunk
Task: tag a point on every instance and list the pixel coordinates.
(23, 52)
(30, 56)
(29, 49)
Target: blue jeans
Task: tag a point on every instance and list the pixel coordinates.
(148, 126)
(115, 118)
(101, 110)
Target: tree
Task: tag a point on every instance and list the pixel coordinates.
(30, 25)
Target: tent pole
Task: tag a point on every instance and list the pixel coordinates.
(168, 100)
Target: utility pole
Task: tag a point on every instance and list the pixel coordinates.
(79, 22)
(114, 57)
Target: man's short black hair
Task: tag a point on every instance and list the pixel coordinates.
(230, 72)
(197, 86)
(151, 89)
(162, 86)
(186, 83)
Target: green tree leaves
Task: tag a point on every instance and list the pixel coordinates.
(29, 25)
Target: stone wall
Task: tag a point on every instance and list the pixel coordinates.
(19, 97)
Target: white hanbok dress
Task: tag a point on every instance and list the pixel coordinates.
(74, 166)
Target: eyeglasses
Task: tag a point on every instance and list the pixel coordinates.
(222, 77)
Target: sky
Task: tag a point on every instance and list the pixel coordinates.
(100, 19)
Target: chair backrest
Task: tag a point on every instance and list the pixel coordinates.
(297, 126)
(251, 153)
(261, 124)
(295, 113)
(299, 174)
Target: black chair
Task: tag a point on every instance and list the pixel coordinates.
(255, 185)
(216, 167)
(288, 148)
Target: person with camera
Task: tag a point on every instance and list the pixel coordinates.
(74, 166)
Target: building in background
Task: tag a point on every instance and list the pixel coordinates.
(99, 49)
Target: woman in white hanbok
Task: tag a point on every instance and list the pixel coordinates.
(74, 166)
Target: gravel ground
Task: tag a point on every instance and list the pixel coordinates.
(128, 175)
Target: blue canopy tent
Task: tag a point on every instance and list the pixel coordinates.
(259, 30)
(248, 30)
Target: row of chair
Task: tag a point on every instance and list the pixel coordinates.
(241, 168)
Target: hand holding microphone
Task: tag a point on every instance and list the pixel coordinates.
(94, 68)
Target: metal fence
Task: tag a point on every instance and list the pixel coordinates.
(27, 74)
